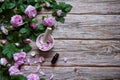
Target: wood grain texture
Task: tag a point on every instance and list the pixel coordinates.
(88, 27)
(82, 53)
(84, 7)
(90, 39)
(77, 73)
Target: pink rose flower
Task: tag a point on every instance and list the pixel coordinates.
(30, 11)
(33, 77)
(19, 58)
(16, 20)
(3, 61)
(13, 70)
(49, 21)
(33, 25)
(59, 12)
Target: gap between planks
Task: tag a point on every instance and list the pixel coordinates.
(86, 39)
(54, 66)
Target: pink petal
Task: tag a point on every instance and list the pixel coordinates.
(28, 61)
(35, 62)
(65, 59)
(26, 68)
(38, 67)
(51, 77)
(42, 73)
(41, 59)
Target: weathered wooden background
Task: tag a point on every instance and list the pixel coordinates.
(90, 39)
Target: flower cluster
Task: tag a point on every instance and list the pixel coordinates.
(19, 59)
(20, 25)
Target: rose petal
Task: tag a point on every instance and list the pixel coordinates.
(38, 67)
(65, 59)
(41, 59)
(26, 68)
(28, 61)
(51, 77)
(42, 73)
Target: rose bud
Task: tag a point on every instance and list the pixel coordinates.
(47, 4)
(4, 41)
(59, 12)
(33, 25)
(3, 61)
(27, 40)
(4, 30)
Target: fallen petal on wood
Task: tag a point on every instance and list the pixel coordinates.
(26, 68)
(51, 77)
(65, 59)
(41, 59)
(42, 73)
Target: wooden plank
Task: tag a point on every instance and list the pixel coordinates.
(88, 27)
(93, 6)
(93, 19)
(79, 31)
(77, 73)
(82, 53)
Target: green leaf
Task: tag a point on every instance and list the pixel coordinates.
(13, 36)
(1, 46)
(36, 0)
(10, 5)
(4, 78)
(3, 6)
(62, 5)
(10, 37)
(60, 19)
(23, 30)
(42, 78)
(68, 8)
(0, 10)
(54, 13)
(4, 74)
(18, 77)
(9, 50)
(34, 20)
(63, 14)
(40, 27)
(26, 47)
(33, 37)
(22, 8)
(38, 7)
